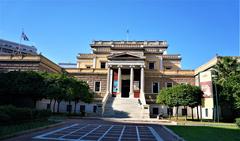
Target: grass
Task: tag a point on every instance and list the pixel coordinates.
(6, 130)
(207, 133)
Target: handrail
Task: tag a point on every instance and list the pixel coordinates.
(104, 101)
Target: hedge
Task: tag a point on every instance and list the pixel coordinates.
(11, 114)
(238, 122)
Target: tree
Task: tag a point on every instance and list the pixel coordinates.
(19, 86)
(52, 88)
(180, 95)
(228, 71)
(226, 67)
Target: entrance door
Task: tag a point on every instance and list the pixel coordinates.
(125, 88)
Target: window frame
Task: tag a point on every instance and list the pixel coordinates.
(104, 65)
(153, 65)
(99, 86)
(166, 84)
(157, 85)
(206, 112)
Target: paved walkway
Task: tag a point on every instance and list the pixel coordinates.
(100, 130)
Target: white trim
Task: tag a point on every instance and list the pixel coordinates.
(128, 63)
(99, 87)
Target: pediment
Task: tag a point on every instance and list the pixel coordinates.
(125, 56)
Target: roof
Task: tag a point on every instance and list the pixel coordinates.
(124, 43)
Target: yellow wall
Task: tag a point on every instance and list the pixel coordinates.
(207, 102)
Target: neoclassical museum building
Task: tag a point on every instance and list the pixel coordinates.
(125, 76)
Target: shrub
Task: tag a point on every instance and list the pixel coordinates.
(41, 114)
(4, 118)
(238, 122)
(11, 114)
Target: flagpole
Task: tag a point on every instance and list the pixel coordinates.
(127, 34)
(19, 45)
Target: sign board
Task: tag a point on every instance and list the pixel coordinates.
(135, 85)
(206, 84)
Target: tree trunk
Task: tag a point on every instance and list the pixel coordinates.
(177, 113)
(197, 113)
(58, 106)
(70, 110)
(50, 103)
(185, 113)
(54, 106)
(192, 112)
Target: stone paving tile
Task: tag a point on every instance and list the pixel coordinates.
(103, 132)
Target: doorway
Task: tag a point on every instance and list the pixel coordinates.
(125, 88)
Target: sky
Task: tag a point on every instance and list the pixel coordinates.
(60, 29)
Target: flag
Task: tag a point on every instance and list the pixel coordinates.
(127, 31)
(24, 37)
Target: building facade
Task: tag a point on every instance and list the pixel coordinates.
(134, 71)
(28, 63)
(125, 76)
(8, 47)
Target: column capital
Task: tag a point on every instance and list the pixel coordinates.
(119, 66)
(109, 66)
(142, 66)
(132, 66)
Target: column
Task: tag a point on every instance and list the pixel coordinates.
(161, 63)
(111, 80)
(94, 62)
(119, 82)
(142, 80)
(131, 93)
(108, 80)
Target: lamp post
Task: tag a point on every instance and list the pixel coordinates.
(214, 76)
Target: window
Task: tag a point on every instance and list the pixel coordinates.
(151, 65)
(155, 111)
(95, 109)
(69, 108)
(155, 87)
(184, 112)
(206, 112)
(103, 65)
(168, 67)
(88, 67)
(97, 86)
(169, 84)
(82, 108)
(170, 111)
(48, 106)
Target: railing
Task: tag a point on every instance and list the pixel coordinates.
(104, 101)
(170, 72)
(86, 70)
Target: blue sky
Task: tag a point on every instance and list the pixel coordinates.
(60, 29)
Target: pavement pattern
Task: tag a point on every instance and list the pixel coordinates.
(99, 130)
(102, 132)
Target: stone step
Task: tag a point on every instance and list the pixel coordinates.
(123, 107)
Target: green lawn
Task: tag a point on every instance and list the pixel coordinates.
(11, 129)
(207, 133)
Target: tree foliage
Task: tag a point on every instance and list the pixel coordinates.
(228, 82)
(180, 95)
(36, 86)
